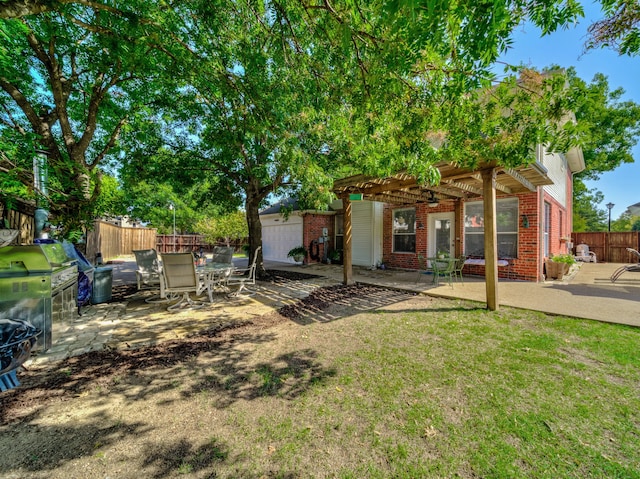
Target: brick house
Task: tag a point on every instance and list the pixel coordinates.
(394, 220)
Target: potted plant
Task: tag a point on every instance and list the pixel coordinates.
(335, 256)
(557, 266)
(298, 253)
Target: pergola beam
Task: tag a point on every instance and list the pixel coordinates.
(464, 187)
(499, 186)
(519, 178)
(449, 191)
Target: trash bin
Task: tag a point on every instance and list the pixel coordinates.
(102, 282)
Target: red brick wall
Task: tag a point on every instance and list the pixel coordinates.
(560, 227)
(409, 260)
(313, 224)
(527, 266)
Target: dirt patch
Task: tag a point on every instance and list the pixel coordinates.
(166, 410)
(69, 378)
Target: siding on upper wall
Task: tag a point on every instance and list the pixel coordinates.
(558, 169)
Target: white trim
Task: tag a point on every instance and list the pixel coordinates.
(432, 218)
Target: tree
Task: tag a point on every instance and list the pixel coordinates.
(69, 80)
(289, 95)
(620, 29)
(608, 126)
(228, 228)
(292, 85)
(150, 203)
(625, 222)
(609, 129)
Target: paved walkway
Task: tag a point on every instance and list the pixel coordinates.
(586, 293)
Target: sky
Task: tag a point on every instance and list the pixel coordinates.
(565, 48)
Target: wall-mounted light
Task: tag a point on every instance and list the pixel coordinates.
(525, 221)
(433, 201)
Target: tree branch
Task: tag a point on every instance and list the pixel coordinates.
(110, 144)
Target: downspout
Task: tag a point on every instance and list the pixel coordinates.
(40, 182)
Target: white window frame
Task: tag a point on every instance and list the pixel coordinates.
(410, 228)
(474, 225)
(546, 230)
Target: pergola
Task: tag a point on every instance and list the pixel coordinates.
(457, 183)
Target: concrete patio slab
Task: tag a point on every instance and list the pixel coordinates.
(587, 293)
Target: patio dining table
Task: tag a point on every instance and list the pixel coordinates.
(214, 275)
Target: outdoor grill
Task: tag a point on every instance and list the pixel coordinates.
(38, 284)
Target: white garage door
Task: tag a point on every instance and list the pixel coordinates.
(279, 238)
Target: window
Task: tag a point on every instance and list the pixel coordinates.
(506, 222)
(546, 228)
(404, 230)
(339, 241)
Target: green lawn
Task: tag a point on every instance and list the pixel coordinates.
(419, 388)
(456, 392)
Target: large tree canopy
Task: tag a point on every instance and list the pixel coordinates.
(271, 93)
(609, 128)
(67, 90)
(288, 96)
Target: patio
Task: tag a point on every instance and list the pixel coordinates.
(131, 322)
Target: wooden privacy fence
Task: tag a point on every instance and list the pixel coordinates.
(188, 243)
(610, 247)
(20, 217)
(113, 241)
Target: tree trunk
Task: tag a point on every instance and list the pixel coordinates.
(255, 230)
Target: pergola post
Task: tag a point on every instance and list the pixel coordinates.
(347, 266)
(490, 237)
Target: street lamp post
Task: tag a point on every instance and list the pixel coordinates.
(609, 206)
(173, 208)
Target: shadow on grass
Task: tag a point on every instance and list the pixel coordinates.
(43, 447)
(218, 365)
(215, 366)
(182, 458)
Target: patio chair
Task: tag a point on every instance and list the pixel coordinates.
(148, 268)
(243, 277)
(148, 274)
(583, 254)
(423, 267)
(444, 268)
(222, 254)
(179, 277)
(635, 267)
(459, 266)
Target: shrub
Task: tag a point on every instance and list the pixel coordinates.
(564, 258)
(297, 251)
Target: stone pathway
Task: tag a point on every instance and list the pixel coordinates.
(133, 323)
